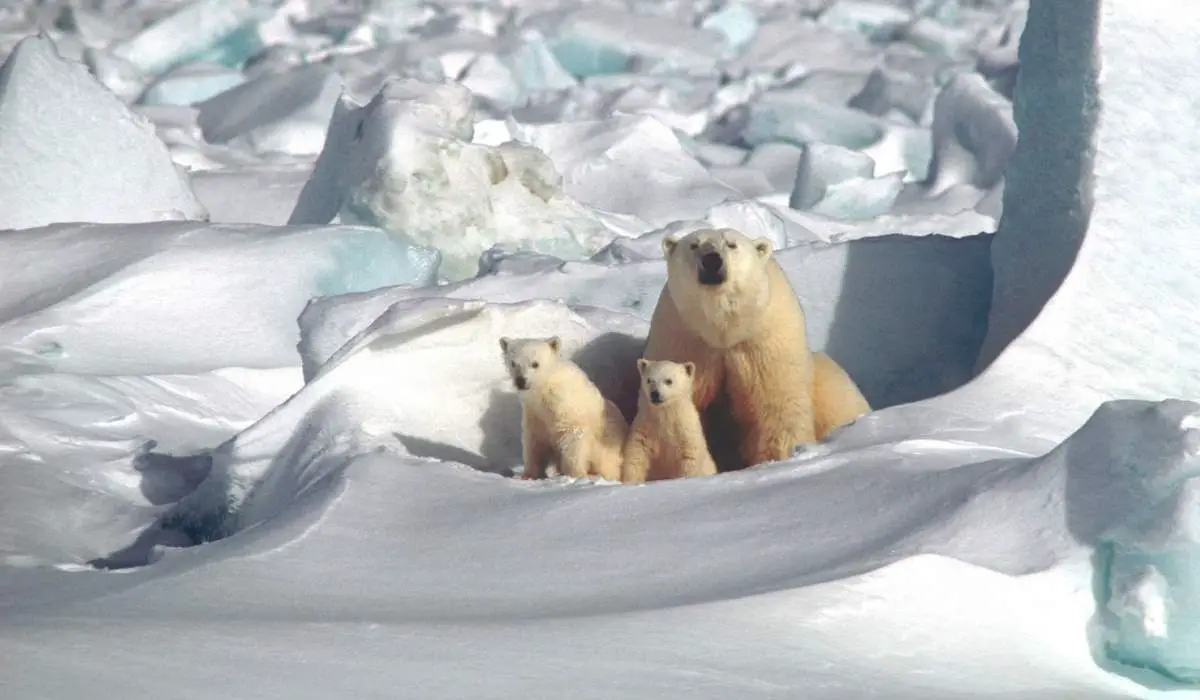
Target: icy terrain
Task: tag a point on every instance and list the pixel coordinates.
(256, 439)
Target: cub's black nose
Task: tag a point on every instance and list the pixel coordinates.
(655, 397)
(711, 262)
(522, 385)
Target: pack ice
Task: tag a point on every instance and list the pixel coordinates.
(270, 454)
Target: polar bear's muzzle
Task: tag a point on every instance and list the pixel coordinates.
(712, 268)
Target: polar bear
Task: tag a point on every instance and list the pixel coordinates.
(666, 440)
(565, 419)
(728, 308)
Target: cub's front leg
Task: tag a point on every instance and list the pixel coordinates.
(536, 451)
(635, 462)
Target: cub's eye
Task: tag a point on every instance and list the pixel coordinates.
(695, 246)
(534, 365)
(731, 245)
(669, 382)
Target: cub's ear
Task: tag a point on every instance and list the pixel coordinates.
(504, 341)
(763, 247)
(642, 363)
(555, 343)
(689, 368)
(668, 244)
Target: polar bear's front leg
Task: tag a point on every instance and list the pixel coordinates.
(574, 449)
(534, 447)
(771, 398)
(635, 462)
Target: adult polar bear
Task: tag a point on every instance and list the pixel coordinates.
(728, 308)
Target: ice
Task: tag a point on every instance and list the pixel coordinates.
(888, 91)
(735, 21)
(822, 166)
(193, 29)
(1149, 581)
(1099, 335)
(518, 75)
(803, 42)
(973, 134)
(289, 447)
(191, 83)
(405, 162)
(609, 164)
(68, 282)
(286, 112)
(598, 40)
(60, 164)
(912, 349)
(536, 68)
(877, 20)
(794, 118)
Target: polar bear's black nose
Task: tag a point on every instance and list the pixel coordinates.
(712, 269)
(711, 262)
(655, 397)
(522, 385)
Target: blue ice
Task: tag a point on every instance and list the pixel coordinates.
(735, 22)
(584, 57)
(1148, 592)
(364, 258)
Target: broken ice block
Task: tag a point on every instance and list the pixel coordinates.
(735, 22)
(192, 30)
(822, 166)
(191, 83)
(405, 162)
(1149, 587)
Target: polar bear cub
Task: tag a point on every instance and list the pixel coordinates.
(565, 419)
(666, 440)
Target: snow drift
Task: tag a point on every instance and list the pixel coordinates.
(362, 528)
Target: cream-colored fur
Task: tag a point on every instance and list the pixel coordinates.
(747, 338)
(564, 419)
(667, 439)
(835, 395)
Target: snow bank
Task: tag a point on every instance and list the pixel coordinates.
(97, 299)
(905, 316)
(71, 151)
(405, 162)
(419, 350)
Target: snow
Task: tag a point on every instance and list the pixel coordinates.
(266, 448)
(60, 164)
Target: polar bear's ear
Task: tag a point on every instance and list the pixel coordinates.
(643, 363)
(689, 368)
(763, 247)
(555, 343)
(504, 341)
(668, 244)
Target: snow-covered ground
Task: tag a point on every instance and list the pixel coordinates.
(256, 439)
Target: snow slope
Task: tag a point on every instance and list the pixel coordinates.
(255, 460)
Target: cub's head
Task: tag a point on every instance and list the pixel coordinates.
(527, 359)
(664, 382)
(712, 257)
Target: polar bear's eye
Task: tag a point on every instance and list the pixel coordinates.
(695, 246)
(534, 365)
(731, 245)
(669, 382)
